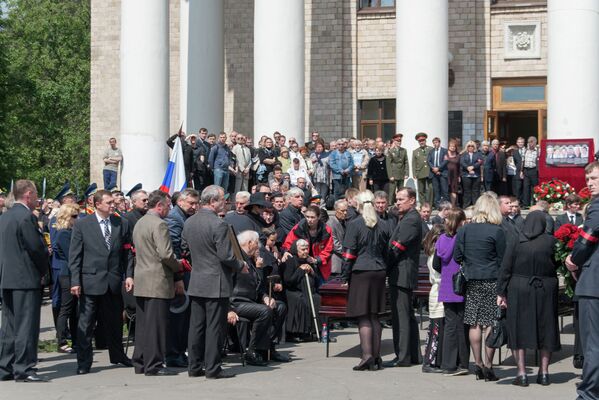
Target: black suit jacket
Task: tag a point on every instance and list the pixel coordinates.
(563, 219)
(23, 254)
(518, 161)
(442, 161)
(405, 247)
(93, 266)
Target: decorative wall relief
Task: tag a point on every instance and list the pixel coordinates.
(522, 40)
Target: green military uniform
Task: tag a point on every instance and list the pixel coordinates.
(397, 169)
(421, 171)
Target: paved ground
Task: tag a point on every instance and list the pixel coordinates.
(309, 376)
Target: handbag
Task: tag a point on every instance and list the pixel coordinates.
(459, 282)
(498, 335)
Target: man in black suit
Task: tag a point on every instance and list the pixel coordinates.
(23, 262)
(250, 300)
(292, 214)
(99, 256)
(584, 262)
(209, 240)
(405, 247)
(437, 162)
(571, 216)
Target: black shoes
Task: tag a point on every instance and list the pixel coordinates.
(221, 375)
(195, 374)
(395, 363)
(32, 378)
(9, 377)
(455, 372)
(82, 371)
(427, 369)
(255, 359)
(366, 365)
(520, 380)
(162, 372)
(125, 362)
(378, 361)
(278, 357)
(543, 379)
(490, 375)
(479, 373)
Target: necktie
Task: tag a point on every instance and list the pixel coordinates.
(572, 219)
(437, 158)
(470, 158)
(106, 233)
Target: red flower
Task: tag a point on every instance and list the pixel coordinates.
(571, 244)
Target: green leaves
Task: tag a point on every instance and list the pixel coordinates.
(44, 91)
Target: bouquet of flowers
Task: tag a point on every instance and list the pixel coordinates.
(566, 235)
(553, 191)
(585, 195)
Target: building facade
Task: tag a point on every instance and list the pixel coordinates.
(496, 66)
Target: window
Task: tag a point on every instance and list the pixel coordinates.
(511, 94)
(376, 5)
(377, 119)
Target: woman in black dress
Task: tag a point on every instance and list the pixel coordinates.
(378, 179)
(528, 287)
(453, 171)
(299, 323)
(364, 248)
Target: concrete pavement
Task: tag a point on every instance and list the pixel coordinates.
(309, 376)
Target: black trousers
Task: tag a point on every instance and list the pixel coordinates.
(266, 323)
(67, 316)
(471, 191)
(440, 188)
(107, 310)
(456, 351)
(406, 340)
(151, 318)
(588, 308)
(207, 323)
(176, 340)
(517, 187)
(531, 179)
(20, 331)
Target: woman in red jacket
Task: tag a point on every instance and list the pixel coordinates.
(320, 237)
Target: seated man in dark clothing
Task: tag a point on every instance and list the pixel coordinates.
(250, 300)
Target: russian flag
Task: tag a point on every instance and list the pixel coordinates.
(174, 178)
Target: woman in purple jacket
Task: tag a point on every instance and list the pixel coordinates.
(456, 352)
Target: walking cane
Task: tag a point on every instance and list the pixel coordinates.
(271, 278)
(312, 306)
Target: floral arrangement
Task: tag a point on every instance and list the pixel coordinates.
(566, 235)
(585, 195)
(553, 191)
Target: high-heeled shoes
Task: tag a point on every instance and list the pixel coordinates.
(479, 373)
(378, 362)
(520, 380)
(543, 379)
(489, 375)
(365, 365)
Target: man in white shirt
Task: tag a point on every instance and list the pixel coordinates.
(112, 158)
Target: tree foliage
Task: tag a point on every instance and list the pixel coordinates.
(44, 91)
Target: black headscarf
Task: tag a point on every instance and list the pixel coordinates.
(534, 225)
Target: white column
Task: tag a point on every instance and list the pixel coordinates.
(202, 67)
(573, 69)
(279, 68)
(421, 70)
(144, 91)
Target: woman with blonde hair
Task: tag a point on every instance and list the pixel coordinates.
(364, 252)
(479, 248)
(65, 219)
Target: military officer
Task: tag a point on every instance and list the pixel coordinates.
(421, 170)
(397, 165)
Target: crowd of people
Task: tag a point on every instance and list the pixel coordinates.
(326, 170)
(239, 262)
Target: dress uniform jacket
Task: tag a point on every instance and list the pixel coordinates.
(397, 163)
(420, 166)
(155, 264)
